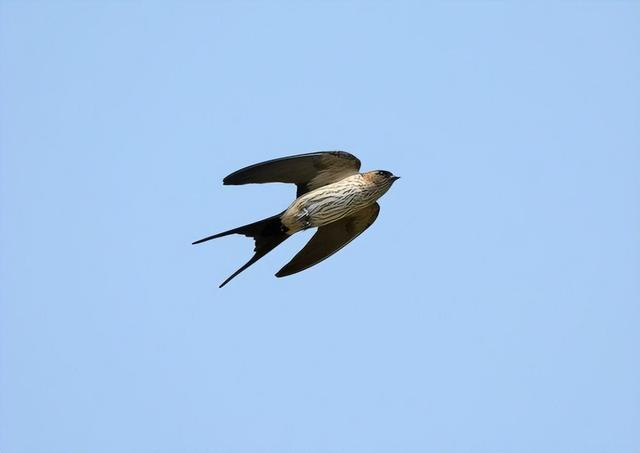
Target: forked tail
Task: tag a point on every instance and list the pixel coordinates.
(267, 233)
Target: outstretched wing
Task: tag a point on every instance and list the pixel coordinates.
(331, 238)
(307, 171)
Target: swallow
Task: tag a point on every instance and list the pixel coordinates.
(332, 196)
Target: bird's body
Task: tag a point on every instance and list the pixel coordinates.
(332, 196)
(332, 202)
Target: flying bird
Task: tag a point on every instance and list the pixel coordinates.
(332, 196)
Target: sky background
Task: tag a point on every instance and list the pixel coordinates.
(493, 307)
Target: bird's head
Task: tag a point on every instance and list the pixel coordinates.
(381, 178)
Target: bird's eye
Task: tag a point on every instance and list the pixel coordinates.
(383, 173)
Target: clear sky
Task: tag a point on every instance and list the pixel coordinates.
(493, 307)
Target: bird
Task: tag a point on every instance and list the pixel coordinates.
(332, 196)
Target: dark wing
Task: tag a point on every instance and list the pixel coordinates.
(331, 238)
(307, 171)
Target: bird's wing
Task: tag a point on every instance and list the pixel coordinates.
(331, 238)
(307, 171)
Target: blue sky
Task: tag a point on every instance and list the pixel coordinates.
(493, 306)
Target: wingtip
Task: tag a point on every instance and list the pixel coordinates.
(284, 272)
(229, 180)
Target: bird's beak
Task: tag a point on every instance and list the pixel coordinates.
(394, 178)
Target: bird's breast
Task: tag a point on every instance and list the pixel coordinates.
(328, 204)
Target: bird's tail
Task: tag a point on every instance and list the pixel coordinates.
(267, 233)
